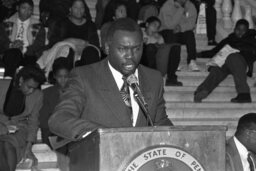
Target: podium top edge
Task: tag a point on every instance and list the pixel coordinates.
(163, 128)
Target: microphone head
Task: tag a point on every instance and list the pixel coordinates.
(132, 79)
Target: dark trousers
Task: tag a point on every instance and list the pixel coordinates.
(149, 55)
(13, 58)
(173, 62)
(211, 17)
(187, 38)
(235, 65)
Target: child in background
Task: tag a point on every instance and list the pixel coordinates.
(152, 41)
(60, 72)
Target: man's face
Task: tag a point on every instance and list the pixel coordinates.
(25, 11)
(251, 143)
(240, 30)
(125, 51)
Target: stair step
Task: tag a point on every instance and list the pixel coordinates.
(47, 158)
(210, 105)
(170, 89)
(213, 97)
(196, 81)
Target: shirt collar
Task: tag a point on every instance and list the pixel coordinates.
(242, 150)
(26, 22)
(118, 76)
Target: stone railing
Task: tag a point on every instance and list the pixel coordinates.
(230, 11)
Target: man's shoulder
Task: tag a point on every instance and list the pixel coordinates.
(89, 70)
(151, 73)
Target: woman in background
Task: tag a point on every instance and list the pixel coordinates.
(60, 72)
(19, 118)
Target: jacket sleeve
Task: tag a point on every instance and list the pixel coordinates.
(33, 118)
(4, 40)
(66, 121)
(38, 46)
(216, 49)
(161, 117)
(189, 19)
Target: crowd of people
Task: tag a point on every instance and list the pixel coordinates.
(90, 67)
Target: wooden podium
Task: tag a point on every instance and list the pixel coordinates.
(179, 148)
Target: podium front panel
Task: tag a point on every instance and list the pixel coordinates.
(189, 148)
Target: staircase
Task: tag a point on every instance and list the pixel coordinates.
(216, 109)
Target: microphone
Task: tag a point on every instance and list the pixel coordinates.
(133, 83)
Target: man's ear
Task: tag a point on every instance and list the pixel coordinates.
(21, 80)
(106, 45)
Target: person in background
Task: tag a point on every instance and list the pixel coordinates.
(19, 118)
(76, 25)
(97, 95)
(241, 148)
(119, 11)
(22, 38)
(244, 42)
(152, 41)
(178, 18)
(60, 72)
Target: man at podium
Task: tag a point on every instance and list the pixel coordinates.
(115, 92)
(241, 149)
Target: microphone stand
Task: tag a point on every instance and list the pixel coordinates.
(144, 106)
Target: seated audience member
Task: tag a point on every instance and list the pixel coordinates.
(178, 18)
(22, 38)
(148, 9)
(59, 9)
(241, 54)
(76, 25)
(60, 73)
(98, 96)
(241, 148)
(158, 54)
(152, 40)
(19, 118)
(119, 11)
(131, 5)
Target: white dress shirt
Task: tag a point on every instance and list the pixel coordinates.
(243, 152)
(119, 81)
(23, 37)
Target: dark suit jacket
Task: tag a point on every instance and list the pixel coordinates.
(92, 100)
(233, 160)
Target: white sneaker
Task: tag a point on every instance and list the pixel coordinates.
(193, 66)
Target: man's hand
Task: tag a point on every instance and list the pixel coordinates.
(17, 44)
(177, 29)
(3, 129)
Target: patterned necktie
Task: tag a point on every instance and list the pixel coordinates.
(125, 94)
(21, 32)
(250, 161)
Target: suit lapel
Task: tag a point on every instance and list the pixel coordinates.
(110, 94)
(147, 93)
(235, 155)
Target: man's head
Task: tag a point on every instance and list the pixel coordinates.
(124, 45)
(242, 26)
(25, 9)
(181, 2)
(246, 131)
